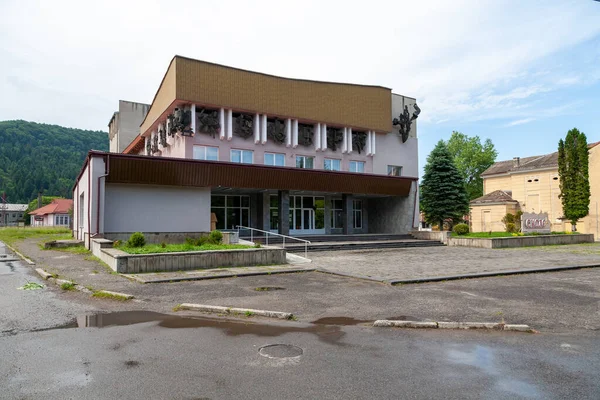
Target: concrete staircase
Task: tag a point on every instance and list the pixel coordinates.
(349, 242)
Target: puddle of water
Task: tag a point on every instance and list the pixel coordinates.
(7, 268)
(518, 388)
(480, 357)
(343, 321)
(328, 334)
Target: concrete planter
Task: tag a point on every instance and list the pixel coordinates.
(442, 236)
(520, 241)
(123, 262)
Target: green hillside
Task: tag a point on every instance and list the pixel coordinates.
(39, 156)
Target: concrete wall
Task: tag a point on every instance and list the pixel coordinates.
(393, 214)
(145, 208)
(93, 200)
(156, 237)
(520, 241)
(442, 236)
(167, 262)
(125, 125)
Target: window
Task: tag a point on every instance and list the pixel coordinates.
(206, 153)
(305, 162)
(337, 218)
(231, 211)
(357, 166)
(276, 159)
(242, 156)
(357, 214)
(394, 170)
(61, 220)
(332, 164)
(80, 209)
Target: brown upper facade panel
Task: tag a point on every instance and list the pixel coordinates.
(134, 169)
(341, 104)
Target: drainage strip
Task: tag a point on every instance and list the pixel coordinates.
(49, 277)
(234, 310)
(454, 325)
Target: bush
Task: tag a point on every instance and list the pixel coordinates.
(117, 243)
(163, 245)
(136, 240)
(201, 240)
(215, 237)
(461, 229)
(190, 241)
(511, 227)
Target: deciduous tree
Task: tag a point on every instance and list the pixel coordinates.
(471, 159)
(573, 160)
(443, 193)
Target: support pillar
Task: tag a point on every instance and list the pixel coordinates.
(348, 223)
(284, 211)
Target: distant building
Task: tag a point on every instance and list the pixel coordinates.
(532, 184)
(53, 214)
(11, 214)
(124, 125)
(292, 156)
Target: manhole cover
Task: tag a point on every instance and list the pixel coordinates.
(280, 351)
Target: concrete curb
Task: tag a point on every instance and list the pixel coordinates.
(27, 260)
(45, 275)
(487, 274)
(124, 295)
(383, 323)
(228, 275)
(233, 310)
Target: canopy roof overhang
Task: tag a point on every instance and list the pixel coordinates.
(135, 169)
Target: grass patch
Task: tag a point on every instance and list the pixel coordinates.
(10, 235)
(104, 295)
(487, 235)
(71, 249)
(173, 248)
(99, 261)
(67, 286)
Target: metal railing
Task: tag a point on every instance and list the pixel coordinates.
(306, 242)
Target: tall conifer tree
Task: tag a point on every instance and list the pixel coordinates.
(443, 192)
(573, 161)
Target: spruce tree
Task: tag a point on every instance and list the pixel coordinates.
(573, 160)
(443, 192)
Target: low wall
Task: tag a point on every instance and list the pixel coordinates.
(520, 241)
(126, 263)
(169, 237)
(442, 236)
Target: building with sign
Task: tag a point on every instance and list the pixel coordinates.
(11, 214)
(293, 156)
(56, 213)
(532, 185)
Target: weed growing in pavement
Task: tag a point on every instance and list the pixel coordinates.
(31, 286)
(248, 313)
(111, 296)
(177, 307)
(67, 286)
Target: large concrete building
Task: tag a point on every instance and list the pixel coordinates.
(285, 155)
(532, 184)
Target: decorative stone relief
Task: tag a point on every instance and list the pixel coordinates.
(359, 141)
(208, 122)
(148, 146)
(305, 134)
(180, 122)
(244, 126)
(276, 130)
(404, 121)
(334, 138)
(162, 134)
(154, 143)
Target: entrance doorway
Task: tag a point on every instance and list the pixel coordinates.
(307, 215)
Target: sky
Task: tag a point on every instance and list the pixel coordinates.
(521, 73)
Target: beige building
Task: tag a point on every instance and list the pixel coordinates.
(124, 124)
(532, 184)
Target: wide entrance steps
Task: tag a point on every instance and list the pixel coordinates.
(347, 242)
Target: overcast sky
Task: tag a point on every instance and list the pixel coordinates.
(518, 72)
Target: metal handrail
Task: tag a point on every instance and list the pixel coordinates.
(306, 242)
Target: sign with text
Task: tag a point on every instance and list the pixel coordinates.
(531, 222)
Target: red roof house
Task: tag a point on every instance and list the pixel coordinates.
(53, 214)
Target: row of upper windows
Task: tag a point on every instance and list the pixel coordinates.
(278, 159)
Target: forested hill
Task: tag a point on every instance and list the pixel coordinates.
(39, 156)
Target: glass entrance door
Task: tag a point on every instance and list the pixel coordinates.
(307, 215)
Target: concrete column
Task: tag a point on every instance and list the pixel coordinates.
(263, 129)
(317, 128)
(327, 215)
(369, 141)
(222, 123)
(345, 140)
(229, 124)
(256, 128)
(294, 133)
(193, 124)
(284, 211)
(256, 211)
(349, 140)
(288, 132)
(348, 225)
(373, 137)
(324, 137)
(266, 205)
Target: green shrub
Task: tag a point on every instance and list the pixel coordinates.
(215, 237)
(461, 229)
(136, 240)
(190, 241)
(201, 240)
(163, 245)
(511, 227)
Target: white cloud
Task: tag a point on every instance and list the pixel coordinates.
(520, 121)
(71, 61)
